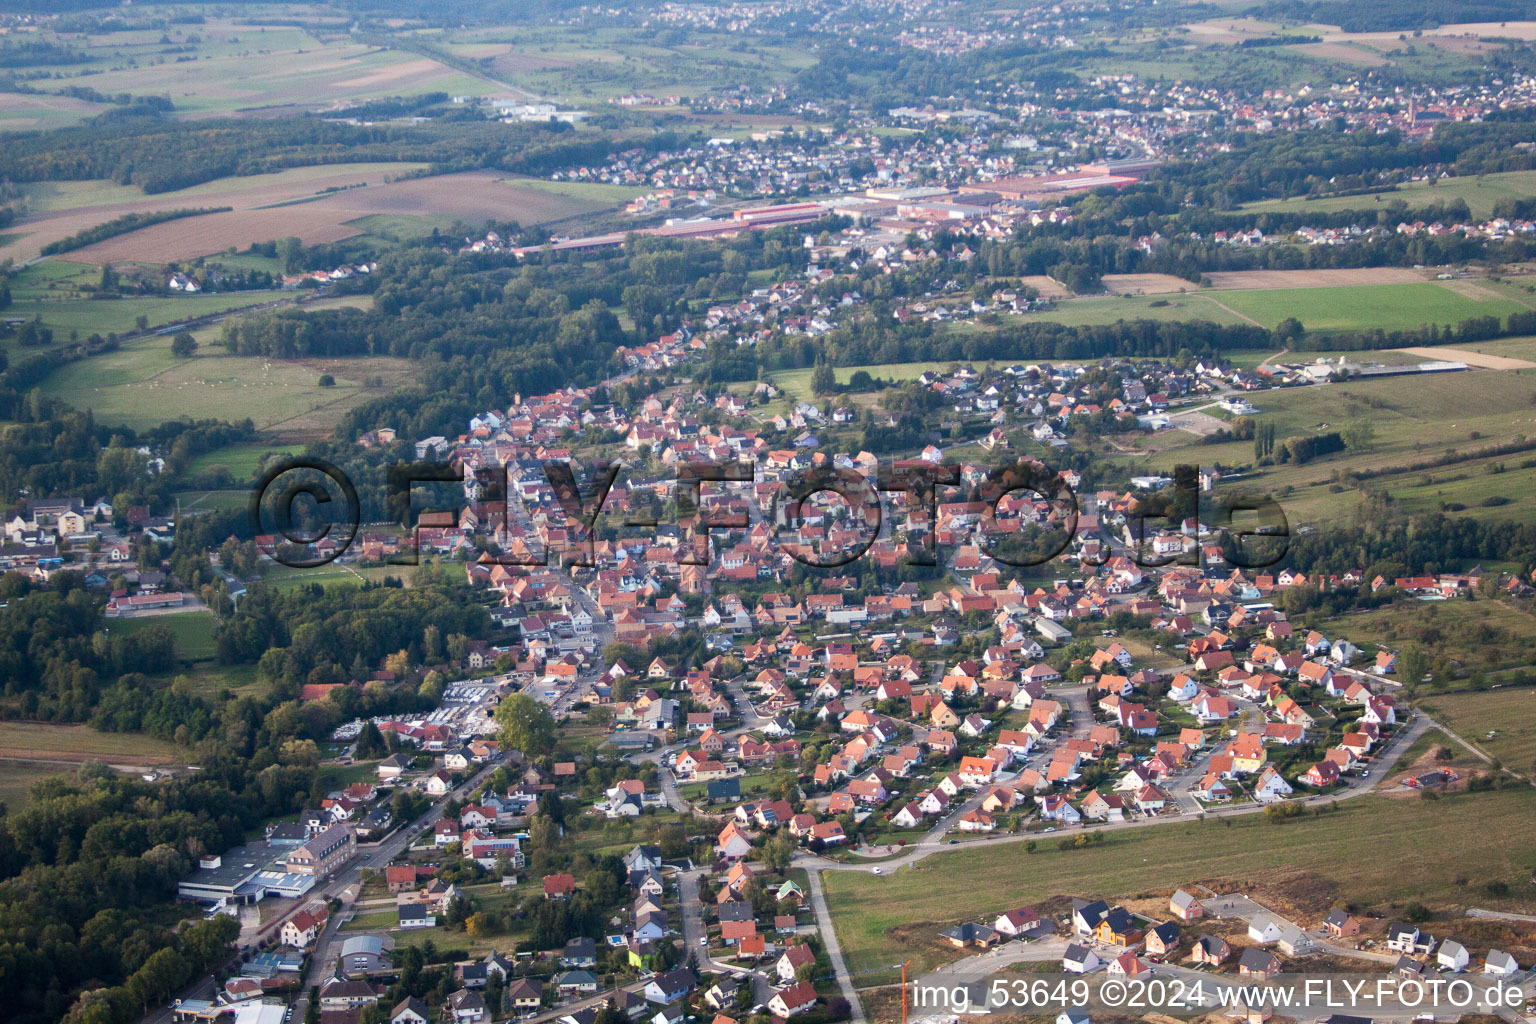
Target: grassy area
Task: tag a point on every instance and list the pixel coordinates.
(1091, 312)
(58, 742)
(88, 316)
(797, 383)
(1483, 635)
(193, 631)
(17, 778)
(1480, 192)
(1353, 307)
(1414, 420)
(1501, 722)
(241, 460)
(140, 383)
(1376, 850)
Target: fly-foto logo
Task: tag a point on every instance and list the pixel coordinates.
(307, 513)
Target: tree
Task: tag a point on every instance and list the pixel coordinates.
(183, 345)
(1411, 666)
(1358, 433)
(823, 379)
(525, 725)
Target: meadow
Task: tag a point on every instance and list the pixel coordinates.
(1355, 307)
(136, 385)
(17, 776)
(1483, 635)
(1372, 851)
(1500, 722)
(57, 742)
(1480, 193)
(241, 460)
(1414, 420)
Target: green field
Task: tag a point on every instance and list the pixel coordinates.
(1093, 312)
(1356, 307)
(1375, 850)
(193, 631)
(141, 383)
(797, 383)
(242, 460)
(1415, 420)
(1480, 192)
(18, 776)
(106, 317)
(1500, 722)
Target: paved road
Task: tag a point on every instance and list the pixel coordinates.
(933, 842)
(834, 951)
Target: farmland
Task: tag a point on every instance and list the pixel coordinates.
(1370, 851)
(1501, 722)
(51, 741)
(240, 68)
(55, 210)
(474, 197)
(1353, 307)
(1480, 194)
(1414, 421)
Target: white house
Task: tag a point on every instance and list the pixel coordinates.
(1453, 956)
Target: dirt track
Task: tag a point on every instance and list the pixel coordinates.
(1483, 359)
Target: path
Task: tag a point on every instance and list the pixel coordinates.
(933, 842)
(1229, 309)
(834, 951)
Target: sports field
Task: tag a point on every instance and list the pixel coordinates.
(193, 631)
(1371, 851)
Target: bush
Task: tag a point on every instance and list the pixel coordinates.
(327, 381)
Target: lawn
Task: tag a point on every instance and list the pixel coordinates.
(1356, 307)
(1375, 850)
(193, 632)
(1500, 722)
(57, 742)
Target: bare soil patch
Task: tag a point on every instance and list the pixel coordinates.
(473, 196)
(1048, 287)
(1344, 52)
(1146, 284)
(1232, 280)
